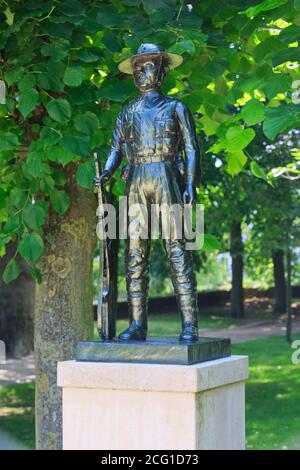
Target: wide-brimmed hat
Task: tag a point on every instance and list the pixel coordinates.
(150, 50)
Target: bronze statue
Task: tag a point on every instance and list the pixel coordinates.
(151, 132)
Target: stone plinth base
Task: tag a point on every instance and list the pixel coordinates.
(154, 406)
(154, 351)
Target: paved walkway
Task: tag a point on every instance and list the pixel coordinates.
(252, 331)
(17, 371)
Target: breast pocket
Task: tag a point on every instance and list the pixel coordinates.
(165, 127)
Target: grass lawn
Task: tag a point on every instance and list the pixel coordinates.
(272, 396)
(17, 412)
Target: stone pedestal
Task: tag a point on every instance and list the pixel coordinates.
(154, 406)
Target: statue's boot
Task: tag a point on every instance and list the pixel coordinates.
(137, 329)
(188, 309)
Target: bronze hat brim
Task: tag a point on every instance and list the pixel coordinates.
(174, 60)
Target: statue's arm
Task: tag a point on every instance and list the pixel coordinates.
(115, 153)
(191, 147)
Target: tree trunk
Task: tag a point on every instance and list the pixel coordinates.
(16, 308)
(236, 252)
(63, 313)
(279, 282)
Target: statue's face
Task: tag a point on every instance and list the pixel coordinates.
(146, 73)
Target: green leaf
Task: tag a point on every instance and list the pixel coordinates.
(60, 155)
(238, 138)
(264, 6)
(34, 165)
(89, 55)
(74, 76)
(57, 50)
(12, 224)
(11, 271)
(87, 123)
(85, 174)
(108, 15)
(36, 273)
(27, 82)
(59, 110)
(34, 216)
(186, 45)
(210, 243)
(8, 141)
(77, 144)
(258, 171)
(28, 101)
(236, 162)
(253, 112)
(60, 201)
(31, 247)
(279, 120)
(276, 83)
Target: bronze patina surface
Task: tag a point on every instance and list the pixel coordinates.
(156, 134)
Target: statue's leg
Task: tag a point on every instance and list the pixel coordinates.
(183, 279)
(181, 263)
(137, 261)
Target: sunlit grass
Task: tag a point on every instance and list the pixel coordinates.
(272, 394)
(17, 412)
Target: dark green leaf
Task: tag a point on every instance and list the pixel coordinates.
(36, 273)
(8, 141)
(86, 123)
(77, 144)
(12, 224)
(74, 76)
(31, 247)
(85, 174)
(60, 201)
(11, 271)
(59, 110)
(34, 216)
(28, 101)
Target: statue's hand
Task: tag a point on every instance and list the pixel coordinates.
(189, 194)
(104, 178)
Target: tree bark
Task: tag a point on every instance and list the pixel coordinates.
(63, 312)
(279, 282)
(16, 308)
(236, 252)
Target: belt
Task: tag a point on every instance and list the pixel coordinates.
(151, 158)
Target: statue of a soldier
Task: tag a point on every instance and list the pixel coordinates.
(151, 132)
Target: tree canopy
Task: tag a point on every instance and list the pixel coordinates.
(63, 91)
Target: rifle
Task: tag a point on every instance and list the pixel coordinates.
(106, 322)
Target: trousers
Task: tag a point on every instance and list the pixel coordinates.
(154, 185)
